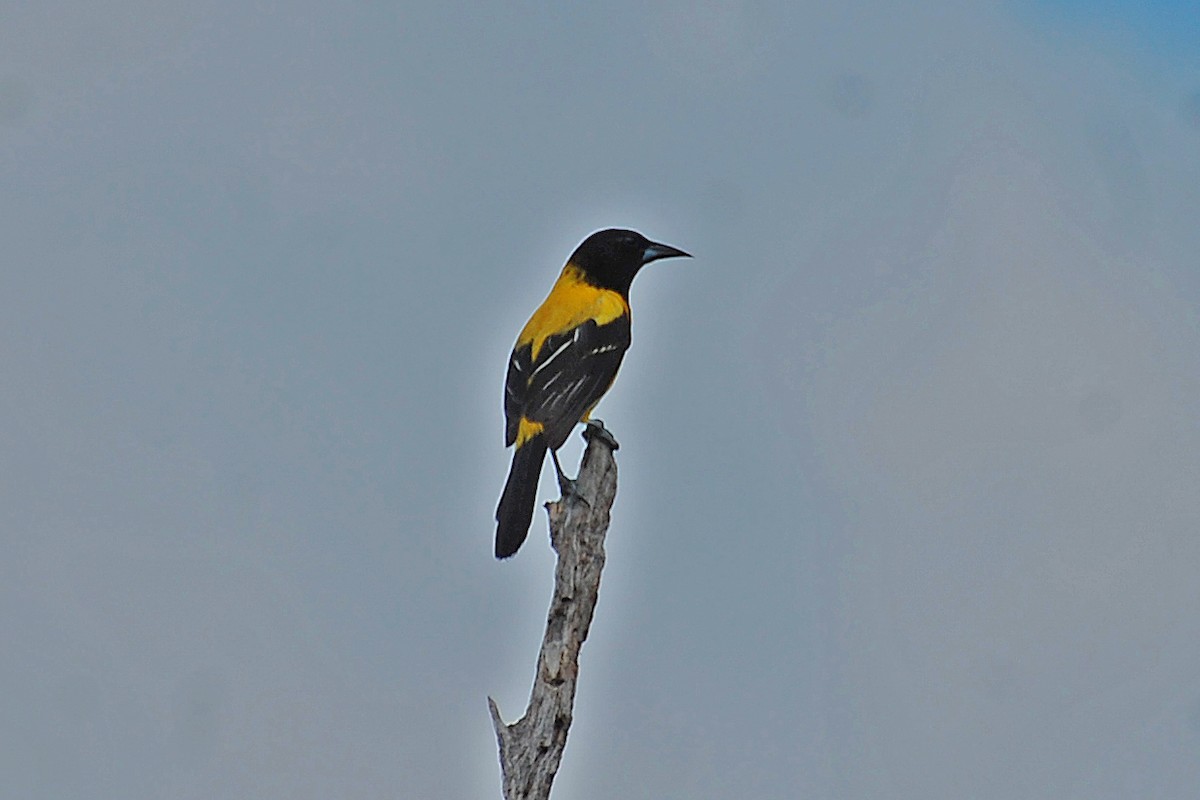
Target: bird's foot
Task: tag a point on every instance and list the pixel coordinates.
(595, 429)
(567, 486)
(570, 490)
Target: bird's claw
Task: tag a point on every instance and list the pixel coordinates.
(569, 487)
(595, 429)
(570, 490)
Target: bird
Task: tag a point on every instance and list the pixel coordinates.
(565, 359)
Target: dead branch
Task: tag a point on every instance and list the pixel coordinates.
(531, 748)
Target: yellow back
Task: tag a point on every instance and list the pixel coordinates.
(571, 302)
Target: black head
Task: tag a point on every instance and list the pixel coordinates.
(610, 258)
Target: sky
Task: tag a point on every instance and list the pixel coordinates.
(909, 450)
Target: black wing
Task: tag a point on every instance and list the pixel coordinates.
(572, 372)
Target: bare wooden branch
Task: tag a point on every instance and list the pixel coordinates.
(531, 748)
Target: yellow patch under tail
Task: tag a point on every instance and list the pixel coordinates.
(527, 429)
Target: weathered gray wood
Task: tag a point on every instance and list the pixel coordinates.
(531, 748)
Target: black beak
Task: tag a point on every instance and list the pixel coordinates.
(654, 251)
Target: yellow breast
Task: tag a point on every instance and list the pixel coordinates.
(572, 302)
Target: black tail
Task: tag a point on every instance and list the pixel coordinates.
(515, 511)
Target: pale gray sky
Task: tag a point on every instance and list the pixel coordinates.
(910, 453)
